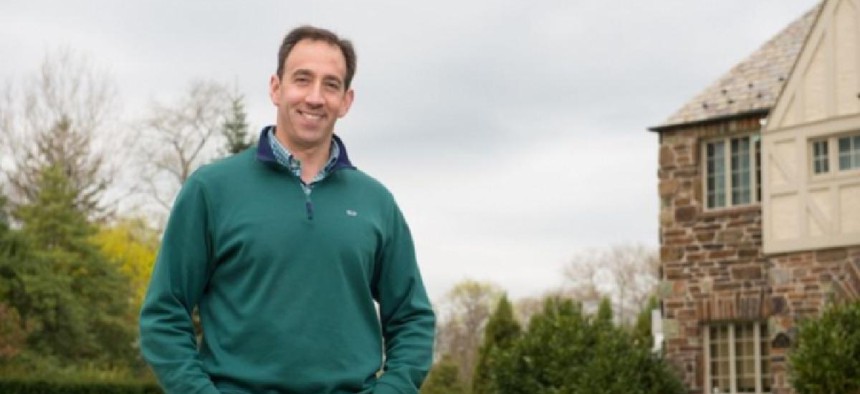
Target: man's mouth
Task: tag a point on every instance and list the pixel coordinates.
(311, 116)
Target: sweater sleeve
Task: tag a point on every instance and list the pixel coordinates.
(408, 321)
(182, 269)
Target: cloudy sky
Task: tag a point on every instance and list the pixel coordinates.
(513, 133)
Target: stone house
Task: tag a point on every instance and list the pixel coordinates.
(759, 183)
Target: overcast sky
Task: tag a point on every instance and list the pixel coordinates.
(513, 133)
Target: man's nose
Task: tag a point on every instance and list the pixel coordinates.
(315, 96)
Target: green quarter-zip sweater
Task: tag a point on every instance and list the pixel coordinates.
(287, 285)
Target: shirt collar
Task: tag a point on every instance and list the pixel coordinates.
(266, 156)
(285, 158)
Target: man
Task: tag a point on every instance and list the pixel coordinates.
(287, 250)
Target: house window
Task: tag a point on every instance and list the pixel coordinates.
(849, 152)
(820, 161)
(847, 155)
(732, 171)
(716, 175)
(757, 170)
(736, 358)
(741, 190)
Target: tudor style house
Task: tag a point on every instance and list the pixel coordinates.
(759, 183)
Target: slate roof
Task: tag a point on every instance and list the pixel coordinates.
(752, 85)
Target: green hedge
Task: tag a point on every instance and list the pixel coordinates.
(827, 356)
(28, 386)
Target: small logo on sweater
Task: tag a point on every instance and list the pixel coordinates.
(350, 212)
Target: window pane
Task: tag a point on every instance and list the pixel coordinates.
(720, 362)
(724, 385)
(758, 169)
(745, 358)
(821, 160)
(848, 153)
(750, 344)
(716, 182)
(746, 385)
(855, 161)
(740, 171)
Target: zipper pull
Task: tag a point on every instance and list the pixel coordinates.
(309, 206)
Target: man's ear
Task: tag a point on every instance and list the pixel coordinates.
(347, 103)
(275, 89)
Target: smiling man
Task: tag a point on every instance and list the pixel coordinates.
(302, 267)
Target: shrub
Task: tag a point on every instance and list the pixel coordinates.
(500, 334)
(32, 386)
(565, 351)
(827, 356)
(443, 378)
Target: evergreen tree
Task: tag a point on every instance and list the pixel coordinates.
(604, 311)
(550, 353)
(642, 334)
(501, 333)
(69, 302)
(4, 217)
(74, 301)
(444, 378)
(12, 334)
(12, 290)
(565, 351)
(67, 146)
(235, 128)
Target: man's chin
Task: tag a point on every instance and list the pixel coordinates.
(313, 138)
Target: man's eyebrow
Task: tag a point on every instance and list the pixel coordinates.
(334, 78)
(305, 72)
(302, 72)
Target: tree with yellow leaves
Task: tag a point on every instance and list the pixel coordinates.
(132, 245)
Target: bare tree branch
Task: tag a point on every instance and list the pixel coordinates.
(180, 138)
(56, 121)
(467, 308)
(627, 274)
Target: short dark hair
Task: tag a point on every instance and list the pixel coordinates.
(317, 34)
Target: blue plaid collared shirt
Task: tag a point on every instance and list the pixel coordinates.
(286, 159)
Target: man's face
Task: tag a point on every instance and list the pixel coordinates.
(311, 95)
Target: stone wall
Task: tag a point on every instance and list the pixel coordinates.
(713, 267)
(801, 284)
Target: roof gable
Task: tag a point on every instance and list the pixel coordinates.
(825, 81)
(753, 84)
